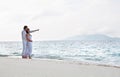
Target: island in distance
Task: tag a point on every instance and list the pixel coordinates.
(94, 37)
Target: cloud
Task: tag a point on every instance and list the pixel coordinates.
(93, 16)
(59, 19)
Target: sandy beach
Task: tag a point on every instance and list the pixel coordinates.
(16, 67)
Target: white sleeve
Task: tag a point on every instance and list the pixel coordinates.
(23, 35)
(34, 30)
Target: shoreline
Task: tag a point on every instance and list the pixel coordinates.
(69, 61)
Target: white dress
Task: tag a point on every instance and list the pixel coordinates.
(29, 47)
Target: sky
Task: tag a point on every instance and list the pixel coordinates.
(59, 19)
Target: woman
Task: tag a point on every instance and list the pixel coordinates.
(29, 44)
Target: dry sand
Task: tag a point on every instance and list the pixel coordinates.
(10, 67)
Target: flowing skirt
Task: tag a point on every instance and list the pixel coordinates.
(28, 49)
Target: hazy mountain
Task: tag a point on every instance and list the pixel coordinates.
(93, 37)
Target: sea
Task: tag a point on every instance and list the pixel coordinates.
(106, 52)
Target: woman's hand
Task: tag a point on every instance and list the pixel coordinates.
(30, 40)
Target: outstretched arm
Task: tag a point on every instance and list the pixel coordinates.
(34, 30)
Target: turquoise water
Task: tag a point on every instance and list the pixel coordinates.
(102, 52)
